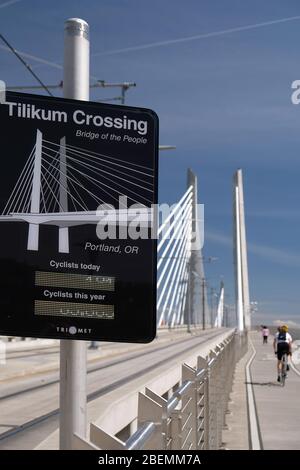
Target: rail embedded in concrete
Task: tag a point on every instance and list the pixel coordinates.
(192, 417)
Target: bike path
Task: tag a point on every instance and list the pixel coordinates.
(277, 407)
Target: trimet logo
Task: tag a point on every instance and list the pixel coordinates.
(73, 330)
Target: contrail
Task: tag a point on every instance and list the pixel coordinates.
(198, 36)
(33, 57)
(11, 2)
(40, 59)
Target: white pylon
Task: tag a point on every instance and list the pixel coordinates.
(240, 248)
(220, 309)
(244, 259)
(239, 288)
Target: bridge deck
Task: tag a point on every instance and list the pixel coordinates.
(278, 408)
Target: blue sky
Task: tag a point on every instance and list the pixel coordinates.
(223, 99)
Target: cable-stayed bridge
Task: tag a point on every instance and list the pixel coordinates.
(60, 183)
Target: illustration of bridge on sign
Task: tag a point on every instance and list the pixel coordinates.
(60, 183)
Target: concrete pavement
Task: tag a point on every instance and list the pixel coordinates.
(235, 435)
(278, 408)
(22, 359)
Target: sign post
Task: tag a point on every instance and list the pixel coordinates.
(78, 247)
(73, 355)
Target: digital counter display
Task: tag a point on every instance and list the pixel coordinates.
(72, 309)
(74, 281)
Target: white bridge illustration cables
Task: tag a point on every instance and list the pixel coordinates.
(60, 182)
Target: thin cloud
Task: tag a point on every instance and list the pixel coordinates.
(34, 57)
(40, 60)
(275, 302)
(275, 214)
(219, 238)
(7, 4)
(197, 36)
(273, 254)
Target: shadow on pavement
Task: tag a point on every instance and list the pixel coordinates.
(268, 384)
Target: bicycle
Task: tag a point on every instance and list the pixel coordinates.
(283, 371)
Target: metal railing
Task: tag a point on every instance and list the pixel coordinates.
(193, 416)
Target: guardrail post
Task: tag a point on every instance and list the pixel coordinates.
(230, 366)
(221, 390)
(213, 405)
(218, 394)
(104, 440)
(175, 440)
(151, 408)
(203, 406)
(189, 407)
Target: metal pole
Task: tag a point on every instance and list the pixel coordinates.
(73, 353)
(203, 303)
(123, 89)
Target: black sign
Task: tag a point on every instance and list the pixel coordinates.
(77, 246)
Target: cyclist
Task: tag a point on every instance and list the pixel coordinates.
(265, 333)
(282, 345)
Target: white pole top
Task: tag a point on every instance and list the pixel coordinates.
(76, 59)
(77, 27)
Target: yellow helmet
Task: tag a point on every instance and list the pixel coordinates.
(284, 328)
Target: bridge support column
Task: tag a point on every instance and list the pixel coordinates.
(33, 231)
(239, 288)
(244, 260)
(240, 252)
(197, 282)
